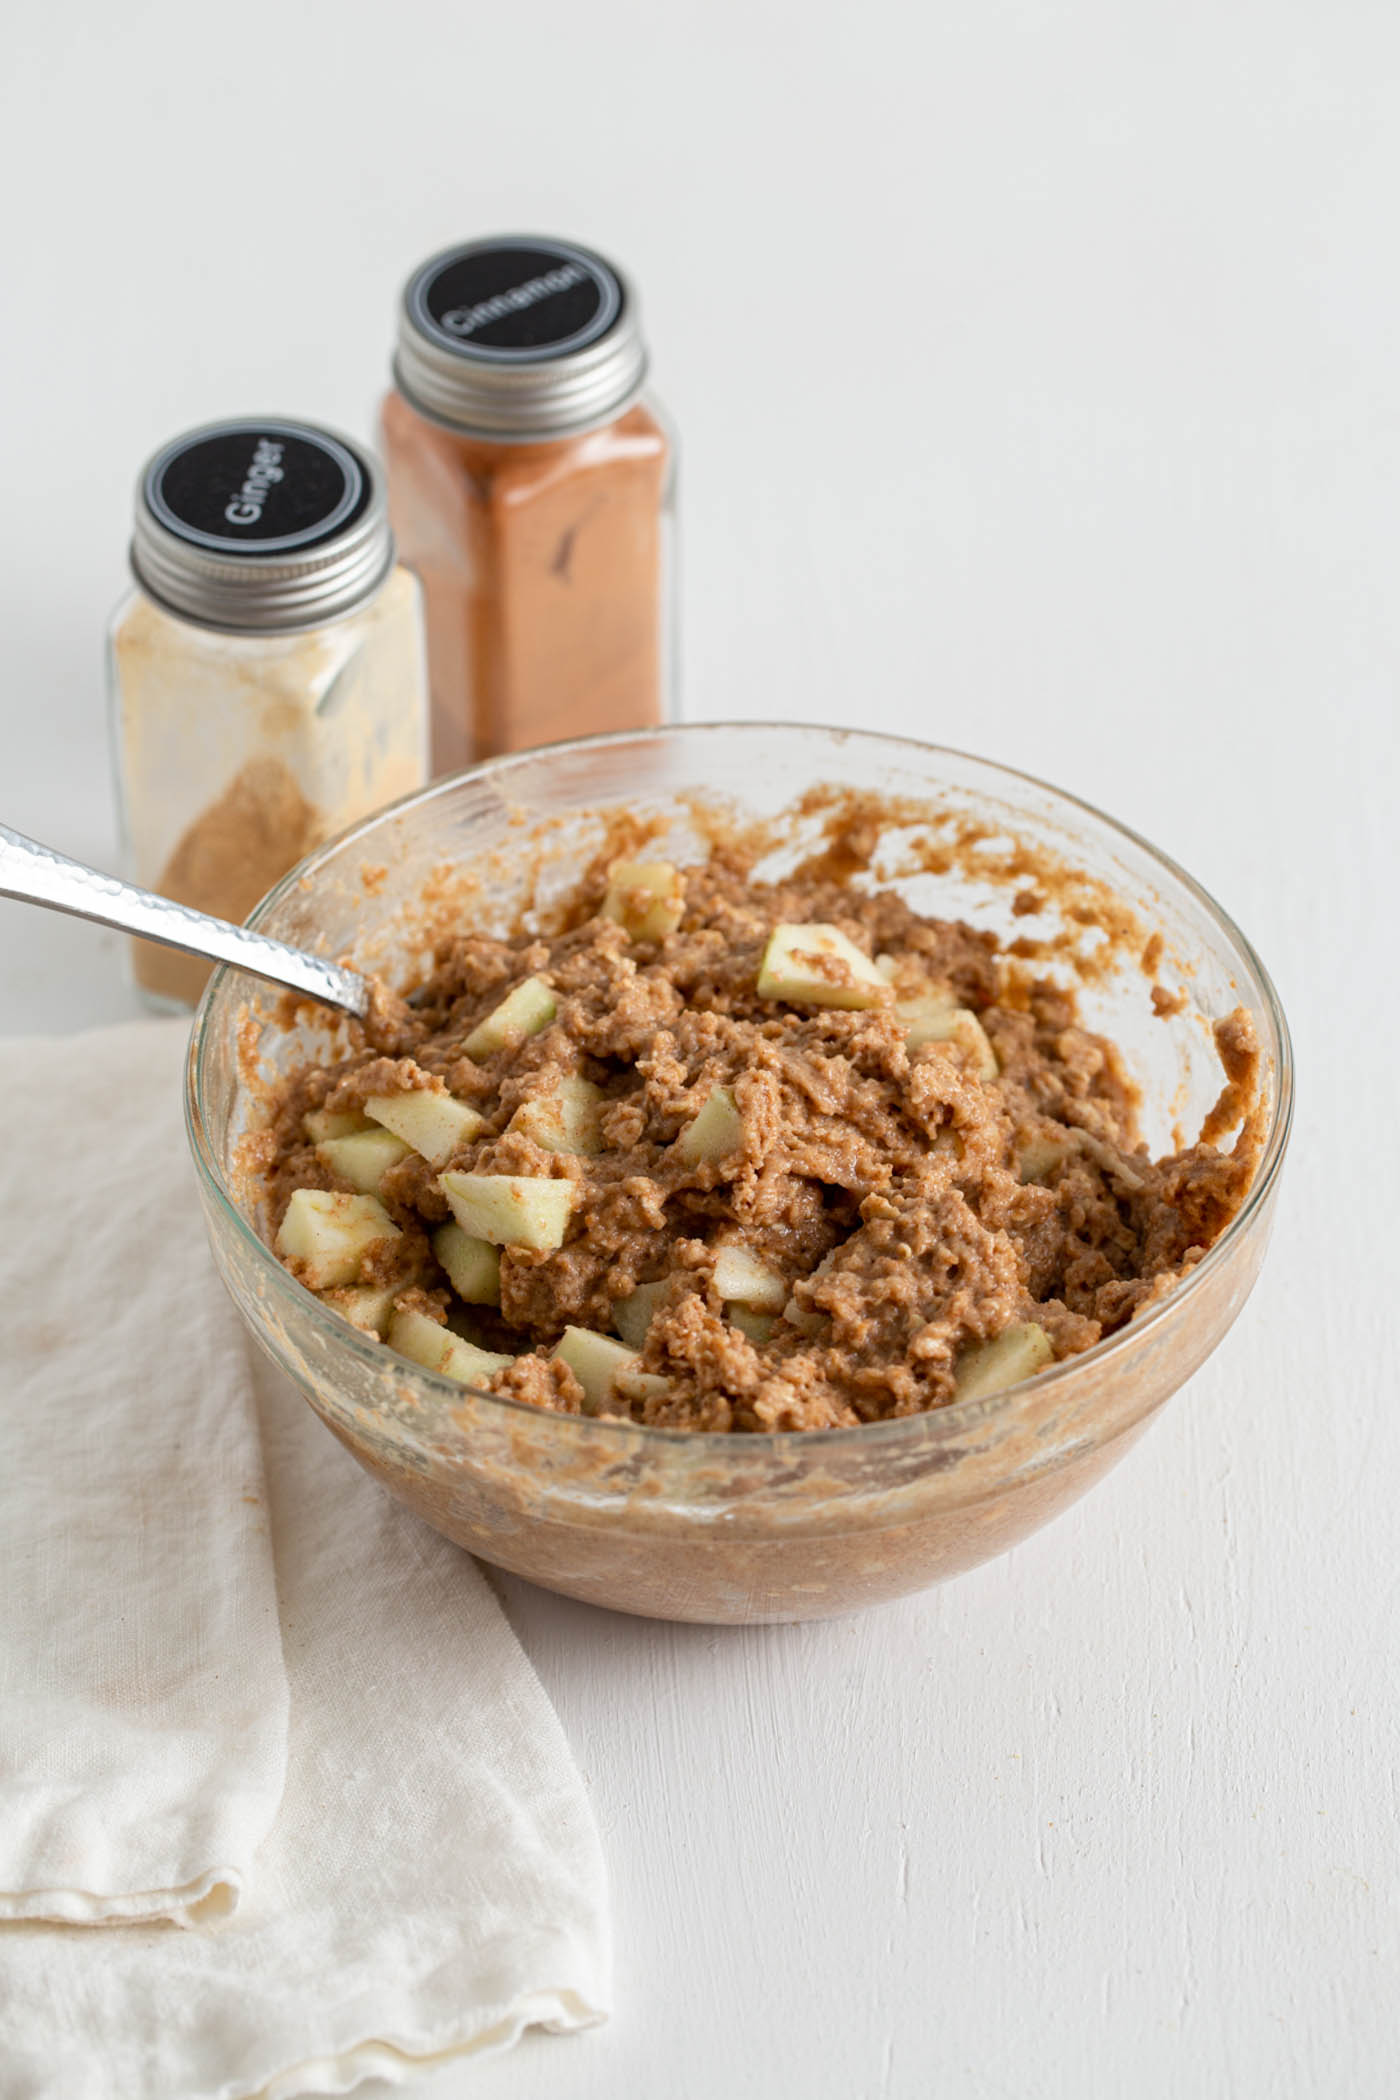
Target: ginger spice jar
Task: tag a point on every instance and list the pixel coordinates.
(531, 488)
(267, 674)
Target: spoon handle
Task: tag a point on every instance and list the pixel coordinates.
(35, 874)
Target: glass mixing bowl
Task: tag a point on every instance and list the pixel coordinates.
(741, 1528)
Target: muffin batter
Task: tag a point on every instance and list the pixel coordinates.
(817, 1153)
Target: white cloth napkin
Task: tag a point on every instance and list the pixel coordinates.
(241, 1691)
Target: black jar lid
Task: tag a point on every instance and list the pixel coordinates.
(261, 524)
(520, 339)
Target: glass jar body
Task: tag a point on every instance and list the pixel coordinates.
(236, 753)
(547, 573)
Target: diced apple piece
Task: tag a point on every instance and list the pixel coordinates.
(473, 1266)
(758, 1326)
(645, 897)
(595, 1360)
(640, 1385)
(633, 1315)
(432, 1124)
(928, 1017)
(510, 1210)
(414, 1335)
(888, 967)
(813, 1324)
(322, 1123)
(565, 1120)
(975, 1043)
(932, 1018)
(817, 965)
(715, 1132)
(989, 1367)
(363, 1158)
(328, 1234)
(525, 1011)
(741, 1276)
(1125, 1179)
(368, 1306)
(1040, 1156)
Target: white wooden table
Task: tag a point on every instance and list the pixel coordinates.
(1037, 375)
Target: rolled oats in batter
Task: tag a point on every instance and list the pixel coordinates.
(729, 1155)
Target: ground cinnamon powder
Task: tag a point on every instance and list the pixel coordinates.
(543, 573)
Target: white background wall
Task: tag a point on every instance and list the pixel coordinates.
(1036, 367)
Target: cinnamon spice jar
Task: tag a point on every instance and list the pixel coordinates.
(531, 490)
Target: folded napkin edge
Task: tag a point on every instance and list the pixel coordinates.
(486, 2031)
(210, 1897)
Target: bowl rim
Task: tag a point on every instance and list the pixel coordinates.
(947, 1421)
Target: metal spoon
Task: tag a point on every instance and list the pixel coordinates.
(35, 874)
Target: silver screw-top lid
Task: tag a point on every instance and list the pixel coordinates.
(519, 339)
(260, 525)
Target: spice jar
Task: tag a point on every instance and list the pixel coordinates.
(267, 675)
(531, 488)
